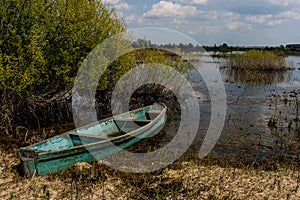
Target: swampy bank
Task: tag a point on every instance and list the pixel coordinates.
(256, 157)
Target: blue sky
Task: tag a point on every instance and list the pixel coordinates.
(209, 22)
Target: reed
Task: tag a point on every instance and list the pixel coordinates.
(258, 60)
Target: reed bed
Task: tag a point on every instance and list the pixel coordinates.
(257, 60)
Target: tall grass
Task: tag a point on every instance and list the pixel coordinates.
(258, 60)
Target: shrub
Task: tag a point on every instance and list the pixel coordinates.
(44, 42)
(42, 45)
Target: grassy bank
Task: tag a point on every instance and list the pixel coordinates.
(182, 180)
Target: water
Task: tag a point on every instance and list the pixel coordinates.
(262, 121)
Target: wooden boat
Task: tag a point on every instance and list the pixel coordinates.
(92, 142)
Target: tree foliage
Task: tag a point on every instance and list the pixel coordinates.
(42, 45)
(43, 42)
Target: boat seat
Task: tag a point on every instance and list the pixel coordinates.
(80, 139)
(152, 114)
(154, 111)
(130, 123)
(84, 135)
(134, 120)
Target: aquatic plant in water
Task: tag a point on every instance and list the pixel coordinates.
(257, 60)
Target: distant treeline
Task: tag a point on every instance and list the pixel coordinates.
(293, 46)
(281, 49)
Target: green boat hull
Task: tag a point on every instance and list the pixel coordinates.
(92, 142)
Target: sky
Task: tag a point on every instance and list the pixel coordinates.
(209, 22)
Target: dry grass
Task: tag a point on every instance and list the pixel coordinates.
(182, 180)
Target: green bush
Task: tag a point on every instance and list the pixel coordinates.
(43, 42)
(42, 45)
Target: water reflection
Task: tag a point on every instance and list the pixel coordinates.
(255, 77)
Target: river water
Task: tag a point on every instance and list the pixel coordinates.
(262, 121)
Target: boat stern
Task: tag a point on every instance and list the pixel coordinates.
(28, 161)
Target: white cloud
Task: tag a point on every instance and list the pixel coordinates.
(230, 15)
(220, 14)
(272, 20)
(212, 15)
(279, 2)
(134, 19)
(179, 21)
(112, 1)
(169, 9)
(276, 22)
(200, 2)
(118, 4)
(237, 25)
(193, 2)
(261, 19)
(130, 18)
(284, 2)
(204, 29)
(292, 14)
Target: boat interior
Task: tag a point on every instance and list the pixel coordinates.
(100, 131)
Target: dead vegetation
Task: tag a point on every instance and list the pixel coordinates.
(182, 180)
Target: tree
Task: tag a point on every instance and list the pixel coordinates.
(224, 45)
(44, 42)
(42, 45)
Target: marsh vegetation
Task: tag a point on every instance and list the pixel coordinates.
(43, 43)
(256, 60)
